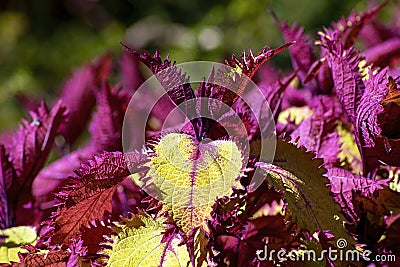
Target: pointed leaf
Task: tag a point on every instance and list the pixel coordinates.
(169, 75)
(6, 177)
(90, 197)
(247, 65)
(301, 52)
(53, 258)
(318, 132)
(28, 152)
(106, 126)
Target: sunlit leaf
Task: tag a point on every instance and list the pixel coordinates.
(15, 237)
(138, 241)
(188, 176)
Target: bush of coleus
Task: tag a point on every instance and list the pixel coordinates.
(334, 175)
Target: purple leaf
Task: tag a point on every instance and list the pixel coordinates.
(77, 252)
(106, 126)
(347, 78)
(90, 195)
(318, 132)
(344, 184)
(130, 73)
(248, 64)
(301, 52)
(169, 75)
(79, 96)
(28, 152)
(348, 29)
(56, 173)
(6, 177)
(383, 53)
(370, 107)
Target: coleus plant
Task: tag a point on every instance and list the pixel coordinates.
(335, 174)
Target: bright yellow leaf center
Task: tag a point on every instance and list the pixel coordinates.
(189, 173)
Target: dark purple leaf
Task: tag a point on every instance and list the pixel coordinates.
(130, 73)
(383, 53)
(6, 177)
(301, 52)
(106, 126)
(28, 152)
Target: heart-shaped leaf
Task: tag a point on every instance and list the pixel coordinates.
(188, 176)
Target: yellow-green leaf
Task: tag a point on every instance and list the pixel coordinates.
(15, 238)
(139, 242)
(188, 176)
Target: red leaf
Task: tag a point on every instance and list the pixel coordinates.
(70, 219)
(89, 198)
(56, 258)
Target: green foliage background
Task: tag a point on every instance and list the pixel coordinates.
(42, 41)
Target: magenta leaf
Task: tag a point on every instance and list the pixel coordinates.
(79, 96)
(6, 177)
(301, 52)
(370, 107)
(318, 132)
(106, 126)
(28, 152)
(345, 185)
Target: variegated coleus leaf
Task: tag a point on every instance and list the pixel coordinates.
(305, 189)
(188, 176)
(141, 241)
(89, 197)
(13, 240)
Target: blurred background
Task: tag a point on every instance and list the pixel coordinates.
(41, 42)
